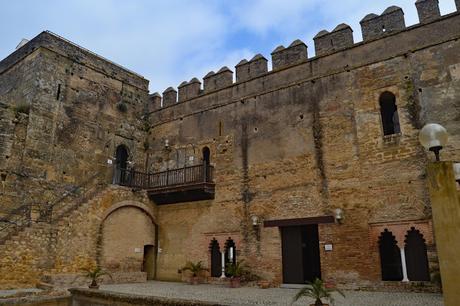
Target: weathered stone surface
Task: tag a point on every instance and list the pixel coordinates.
(295, 142)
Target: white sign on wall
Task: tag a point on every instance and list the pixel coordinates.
(109, 161)
(137, 250)
(328, 247)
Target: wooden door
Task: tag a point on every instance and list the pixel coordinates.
(300, 254)
(292, 255)
(149, 261)
(310, 249)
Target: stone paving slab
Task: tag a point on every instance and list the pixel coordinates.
(273, 296)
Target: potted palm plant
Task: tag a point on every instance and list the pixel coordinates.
(196, 269)
(235, 271)
(95, 274)
(317, 290)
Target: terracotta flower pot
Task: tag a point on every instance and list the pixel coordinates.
(93, 285)
(235, 282)
(194, 280)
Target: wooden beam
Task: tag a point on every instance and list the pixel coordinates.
(299, 221)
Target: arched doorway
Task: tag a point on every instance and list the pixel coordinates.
(206, 156)
(206, 162)
(390, 257)
(128, 239)
(121, 164)
(416, 256)
(216, 258)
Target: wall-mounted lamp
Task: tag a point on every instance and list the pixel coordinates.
(255, 220)
(457, 172)
(166, 144)
(338, 215)
(433, 137)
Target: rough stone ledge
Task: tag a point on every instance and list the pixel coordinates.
(63, 300)
(102, 297)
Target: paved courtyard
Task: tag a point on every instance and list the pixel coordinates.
(273, 296)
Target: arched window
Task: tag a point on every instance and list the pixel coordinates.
(390, 257)
(230, 252)
(216, 258)
(206, 156)
(416, 256)
(389, 114)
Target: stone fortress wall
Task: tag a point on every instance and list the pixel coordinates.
(306, 138)
(298, 141)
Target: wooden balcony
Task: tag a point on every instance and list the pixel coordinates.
(186, 184)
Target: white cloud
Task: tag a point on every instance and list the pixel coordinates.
(174, 40)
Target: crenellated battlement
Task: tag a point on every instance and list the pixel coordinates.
(340, 38)
(245, 70)
(390, 21)
(373, 27)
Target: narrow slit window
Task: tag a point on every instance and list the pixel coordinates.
(389, 114)
(58, 94)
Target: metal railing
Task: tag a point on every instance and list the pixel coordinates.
(170, 178)
(21, 217)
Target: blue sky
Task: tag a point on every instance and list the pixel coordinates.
(169, 41)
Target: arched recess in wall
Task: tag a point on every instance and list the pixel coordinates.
(230, 252)
(389, 113)
(216, 258)
(416, 256)
(121, 164)
(390, 257)
(127, 230)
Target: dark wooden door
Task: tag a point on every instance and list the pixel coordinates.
(416, 256)
(310, 249)
(300, 251)
(149, 261)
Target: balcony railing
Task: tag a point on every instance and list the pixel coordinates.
(166, 179)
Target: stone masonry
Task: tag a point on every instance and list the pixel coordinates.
(295, 142)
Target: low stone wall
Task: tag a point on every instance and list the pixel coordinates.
(38, 301)
(78, 279)
(87, 297)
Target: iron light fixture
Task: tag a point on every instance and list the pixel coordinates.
(256, 226)
(338, 215)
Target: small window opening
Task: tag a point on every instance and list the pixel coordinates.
(58, 94)
(221, 128)
(389, 114)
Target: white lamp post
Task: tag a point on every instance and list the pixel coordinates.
(433, 137)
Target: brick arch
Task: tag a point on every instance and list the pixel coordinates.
(128, 203)
(109, 211)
